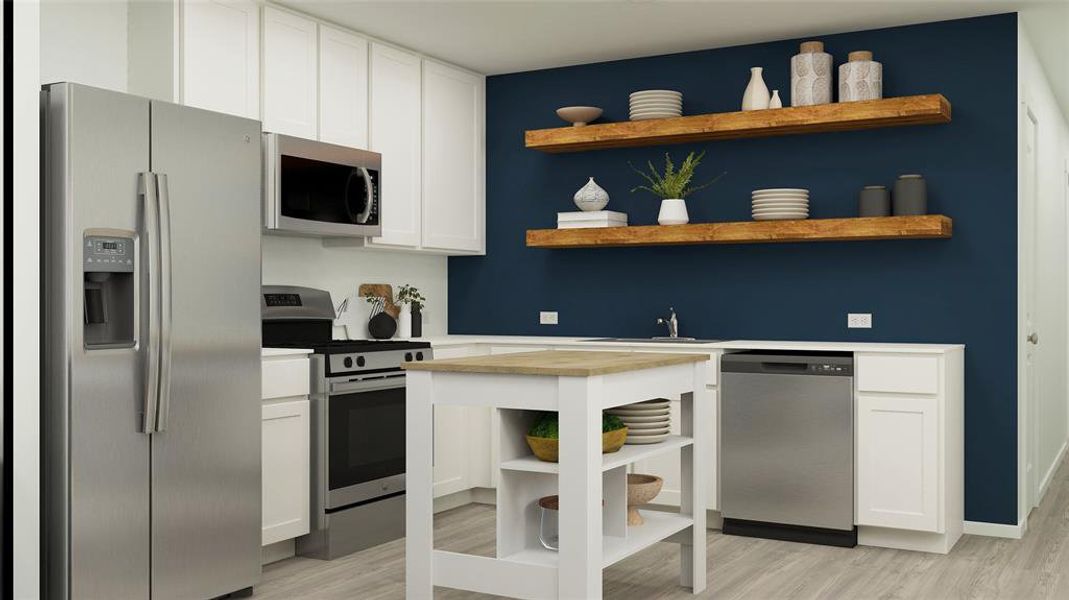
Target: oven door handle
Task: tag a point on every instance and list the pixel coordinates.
(366, 385)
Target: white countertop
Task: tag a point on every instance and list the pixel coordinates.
(272, 352)
(513, 340)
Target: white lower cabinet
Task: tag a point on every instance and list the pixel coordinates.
(286, 470)
(898, 462)
(461, 439)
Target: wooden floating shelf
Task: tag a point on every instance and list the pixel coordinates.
(747, 232)
(926, 109)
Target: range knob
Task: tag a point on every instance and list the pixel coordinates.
(348, 362)
(419, 356)
(408, 356)
(360, 361)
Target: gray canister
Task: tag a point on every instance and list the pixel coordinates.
(874, 201)
(911, 195)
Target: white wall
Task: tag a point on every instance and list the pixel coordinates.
(84, 41)
(1052, 359)
(25, 300)
(340, 271)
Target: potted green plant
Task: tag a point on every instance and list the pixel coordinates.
(410, 318)
(544, 435)
(672, 186)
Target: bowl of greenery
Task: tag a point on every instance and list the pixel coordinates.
(544, 435)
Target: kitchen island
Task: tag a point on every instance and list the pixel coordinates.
(593, 530)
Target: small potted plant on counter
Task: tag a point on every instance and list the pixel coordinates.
(410, 319)
(544, 436)
(673, 187)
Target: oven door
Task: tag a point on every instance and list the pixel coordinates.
(320, 189)
(365, 439)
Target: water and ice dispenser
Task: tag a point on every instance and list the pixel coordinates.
(108, 284)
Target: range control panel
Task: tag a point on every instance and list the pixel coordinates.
(107, 254)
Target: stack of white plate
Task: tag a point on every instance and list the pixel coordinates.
(776, 204)
(647, 422)
(656, 104)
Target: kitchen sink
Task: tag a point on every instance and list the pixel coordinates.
(665, 340)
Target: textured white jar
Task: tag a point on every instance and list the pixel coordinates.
(591, 197)
(861, 78)
(811, 73)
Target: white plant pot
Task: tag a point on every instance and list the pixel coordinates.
(404, 322)
(673, 212)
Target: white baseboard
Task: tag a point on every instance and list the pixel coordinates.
(1049, 475)
(1013, 532)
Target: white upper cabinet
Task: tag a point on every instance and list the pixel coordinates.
(395, 133)
(290, 74)
(221, 56)
(343, 88)
(453, 150)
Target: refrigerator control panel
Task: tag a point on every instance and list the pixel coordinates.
(108, 254)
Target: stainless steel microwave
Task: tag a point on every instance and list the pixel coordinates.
(319, 189)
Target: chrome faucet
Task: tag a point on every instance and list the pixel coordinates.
(671, 322)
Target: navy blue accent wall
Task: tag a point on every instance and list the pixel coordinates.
(961, 290)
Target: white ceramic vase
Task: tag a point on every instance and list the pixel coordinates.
(404, 322)
(591, 197)
(673, 212)
(775, 101)
(756, 96)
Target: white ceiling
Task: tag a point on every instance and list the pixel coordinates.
(496, 36)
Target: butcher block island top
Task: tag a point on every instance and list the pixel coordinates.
(559, 363)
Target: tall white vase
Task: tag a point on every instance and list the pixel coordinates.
(756, 96)
(673, 212)
(404, 322)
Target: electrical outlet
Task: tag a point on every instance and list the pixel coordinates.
(859, 320)
(547, 317)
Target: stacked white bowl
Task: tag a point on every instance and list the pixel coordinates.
(777, 204)
(647, 422)
(656, 104)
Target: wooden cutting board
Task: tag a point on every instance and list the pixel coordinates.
(382, 290)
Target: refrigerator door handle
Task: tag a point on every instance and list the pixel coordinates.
(164, 401)
(151, 230)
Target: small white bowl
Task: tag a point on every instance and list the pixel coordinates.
(579, 116)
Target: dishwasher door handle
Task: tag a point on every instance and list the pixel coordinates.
(784, 367)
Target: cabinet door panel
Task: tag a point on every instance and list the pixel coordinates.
(450, 449)
(395, 133)
(286, 470)
(289, 74)
(898, 462)
(221, 56)
(453, 199)
(343, 88)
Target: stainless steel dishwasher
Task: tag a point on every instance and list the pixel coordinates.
(787, 446)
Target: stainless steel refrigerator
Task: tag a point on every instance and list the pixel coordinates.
(151, 336)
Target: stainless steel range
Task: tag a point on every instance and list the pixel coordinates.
(358, 423)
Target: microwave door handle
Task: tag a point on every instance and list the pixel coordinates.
(151, 267)
(165, 304)
(369, 190)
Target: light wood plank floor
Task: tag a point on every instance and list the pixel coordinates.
(979, 567)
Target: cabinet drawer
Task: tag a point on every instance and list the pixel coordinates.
(901, 373)
(284, 378)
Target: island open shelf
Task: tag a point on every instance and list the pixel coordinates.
(839, 116)
(747, 232)
(624, 456)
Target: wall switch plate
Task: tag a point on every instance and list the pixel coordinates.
(859, 320)
(547, 317)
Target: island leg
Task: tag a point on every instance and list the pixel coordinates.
(694, 471)
(579, 571)
(419, 496)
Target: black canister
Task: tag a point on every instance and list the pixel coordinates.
(874, 201)
(911, 195)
